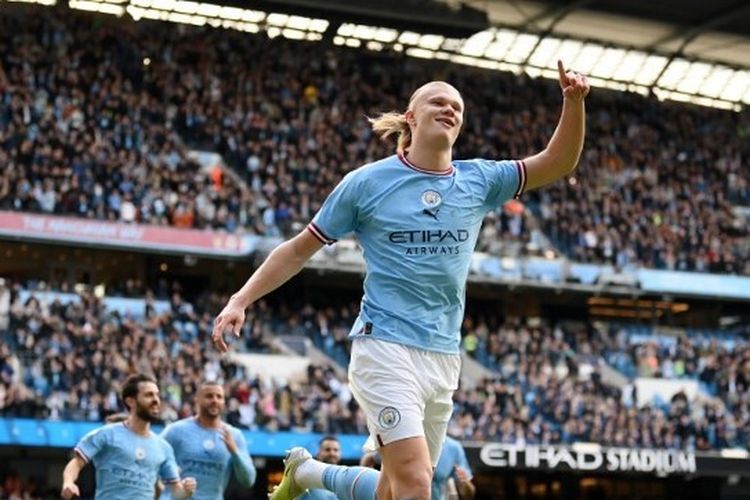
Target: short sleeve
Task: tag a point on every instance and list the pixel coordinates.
(339, 213)
(168, 471)
(506, 180)
(168, 434)
(91, 444)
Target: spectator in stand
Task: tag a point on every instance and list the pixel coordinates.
(100, 135)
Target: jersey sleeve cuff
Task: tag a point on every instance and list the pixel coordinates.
(81, 454)
(319, 234)
(171, 480)
(521, 167)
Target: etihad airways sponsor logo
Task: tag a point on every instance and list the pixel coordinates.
(429, 236)
(430, 241)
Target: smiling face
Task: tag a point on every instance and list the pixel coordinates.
(210, 401)
(147, 404)
(330, 451)
(435, 115)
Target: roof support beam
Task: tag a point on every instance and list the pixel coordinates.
(690, 34)
(559, 14)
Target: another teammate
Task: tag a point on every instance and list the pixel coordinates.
(452, 476)
(329, 452)
(128, 457)
(208, 448)
(452, 473)
(417, 216)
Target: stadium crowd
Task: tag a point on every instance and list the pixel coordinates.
(550, 390)
(96, 121)
(91, 130)
(64, 360)
(547, 386)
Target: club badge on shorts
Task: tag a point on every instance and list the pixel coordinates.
(389, 417)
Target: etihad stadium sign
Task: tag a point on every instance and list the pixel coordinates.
(593, 458)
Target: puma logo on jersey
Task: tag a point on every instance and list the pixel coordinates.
(432, 213)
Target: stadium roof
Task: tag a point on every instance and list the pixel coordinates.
(683, 50)
(677, 49)
(718, 30)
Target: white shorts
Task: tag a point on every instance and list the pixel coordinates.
(405, 392)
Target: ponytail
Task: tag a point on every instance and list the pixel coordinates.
(391, 123)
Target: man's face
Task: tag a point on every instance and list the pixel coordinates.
(210, 401)
(147, 402)
(330, 452)
(436, 114)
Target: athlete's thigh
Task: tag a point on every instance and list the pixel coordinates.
(405, 460)
(384, 383)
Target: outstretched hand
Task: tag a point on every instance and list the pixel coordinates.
(231, 317)
(573, 85)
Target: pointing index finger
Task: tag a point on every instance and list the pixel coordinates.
(561, 71)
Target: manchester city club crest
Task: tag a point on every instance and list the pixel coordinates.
(389, 417)
(209, 444)
(140, 453)
(431, 199)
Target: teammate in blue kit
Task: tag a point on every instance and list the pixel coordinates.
(417, 216)
(452, 472)
(209, 449)
(329, 452)
(452, 475)
(452, 467)
(128, 457)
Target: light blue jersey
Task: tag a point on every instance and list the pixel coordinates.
(452, 454)
(127, 464)
(202, 454)
(417, 230)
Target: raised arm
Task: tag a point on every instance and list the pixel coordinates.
(284, 261)
(561, 155)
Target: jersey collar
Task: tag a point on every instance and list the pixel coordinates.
(409, 164)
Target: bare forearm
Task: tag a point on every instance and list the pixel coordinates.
(566, 143)
(72, 471)
(563, 151)
(283, 262)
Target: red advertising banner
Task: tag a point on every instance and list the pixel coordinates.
(59, 229)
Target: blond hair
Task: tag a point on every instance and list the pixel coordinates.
(391, 123)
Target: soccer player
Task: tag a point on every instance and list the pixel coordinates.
(452, 475)
(329, 452)
(208, 448)
(129, 457)
(323, 479)
(417, 216)
(452, 467)
(452, 471)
